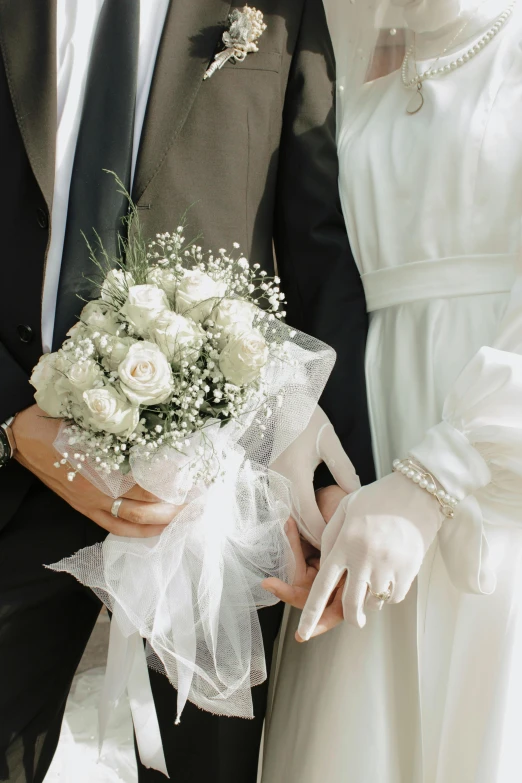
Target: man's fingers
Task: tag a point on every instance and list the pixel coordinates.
(291, 594)
(324, 585)
(334, 527)
(332, 616)
(145, 513)
(354, 595)
(138, 493)
(337, 461)
(119, 527)
(328, 499)
(294, 539)
(311, 522)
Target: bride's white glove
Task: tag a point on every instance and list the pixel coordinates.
(378, 537)
(318, 443)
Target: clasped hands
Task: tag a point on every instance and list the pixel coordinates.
(373, 544)
(376, 537)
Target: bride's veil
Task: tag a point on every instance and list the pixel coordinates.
(369, 39)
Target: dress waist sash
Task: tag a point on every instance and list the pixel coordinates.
(439, 278)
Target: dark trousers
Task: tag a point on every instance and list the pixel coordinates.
(46, 619)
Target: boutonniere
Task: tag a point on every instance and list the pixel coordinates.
(244, 29)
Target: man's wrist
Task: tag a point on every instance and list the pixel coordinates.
(7, 441)
(328, 499)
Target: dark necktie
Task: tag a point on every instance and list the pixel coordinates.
(104, 142)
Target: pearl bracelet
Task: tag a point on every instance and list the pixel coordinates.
(426, 481)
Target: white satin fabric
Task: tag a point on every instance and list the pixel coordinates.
(431, 690)
(77, 759)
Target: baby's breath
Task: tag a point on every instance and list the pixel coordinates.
(200, 395)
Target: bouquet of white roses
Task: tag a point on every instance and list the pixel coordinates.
(175, 343)
(182, 377)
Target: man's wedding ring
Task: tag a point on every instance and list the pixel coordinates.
(381, 596)
(115, 509)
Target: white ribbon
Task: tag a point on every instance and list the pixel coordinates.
(127, 671)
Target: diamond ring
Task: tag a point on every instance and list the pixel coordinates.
(381, 596)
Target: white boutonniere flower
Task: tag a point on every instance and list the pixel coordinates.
(244, 30)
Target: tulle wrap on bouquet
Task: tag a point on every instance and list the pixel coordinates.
(194, 592)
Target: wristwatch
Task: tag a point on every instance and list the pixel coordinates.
(7, 442)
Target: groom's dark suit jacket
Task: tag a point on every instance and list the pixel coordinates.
(252, 149)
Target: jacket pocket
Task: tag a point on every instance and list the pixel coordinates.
(257, 61)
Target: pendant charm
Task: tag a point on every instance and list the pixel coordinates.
(416, 101)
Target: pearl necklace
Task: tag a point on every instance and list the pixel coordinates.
(417, 101)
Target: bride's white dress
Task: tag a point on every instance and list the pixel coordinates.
(431, 690)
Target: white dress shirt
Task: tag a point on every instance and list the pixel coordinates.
(76, 25)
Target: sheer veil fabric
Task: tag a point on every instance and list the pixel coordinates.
(370, 36)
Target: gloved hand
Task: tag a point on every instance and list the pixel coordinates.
(318, 443)
(378, 536)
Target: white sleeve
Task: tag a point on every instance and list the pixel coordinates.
(480, 437)
(476, 451)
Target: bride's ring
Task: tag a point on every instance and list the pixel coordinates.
(115, 508)
(384, 597)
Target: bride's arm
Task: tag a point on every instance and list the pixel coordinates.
(478, 445)
(380, 535)
(482, 416)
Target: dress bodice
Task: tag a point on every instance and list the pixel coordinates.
(446, 181)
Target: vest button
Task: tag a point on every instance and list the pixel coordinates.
(41, 216)
(25, 333)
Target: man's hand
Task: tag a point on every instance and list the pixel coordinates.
(307, 567)
(328, 500)
(141, 515)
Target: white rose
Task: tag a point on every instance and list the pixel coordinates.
(84, 375)
(197, 294)
(231, 314)
(144, 304)
(115, 351)
(244, 356)
(117, 282)
(99, 317)
(165, 279)
(145, 374)
(77, 331)
(51, 393)
(108, 410)
(177, 336)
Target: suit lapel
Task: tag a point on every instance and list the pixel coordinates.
(191, 34)
(28, 45)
